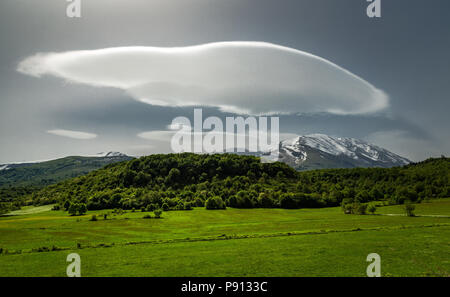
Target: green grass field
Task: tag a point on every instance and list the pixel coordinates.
(232, 242)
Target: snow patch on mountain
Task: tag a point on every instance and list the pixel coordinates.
(291, 146)
(325, 143)
(348, 152)
(110, 155)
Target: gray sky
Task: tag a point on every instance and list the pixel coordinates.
(404, 54)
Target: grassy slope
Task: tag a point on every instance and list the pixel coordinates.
(190, 243)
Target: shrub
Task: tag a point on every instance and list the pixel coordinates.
(118, 211)
(147, 216)
(77, 209)
(165, 206)
(354, 208)
(243, 199)
(93, 218)
(372, 209)
(66, 205)
(347, 208)
(179, 206)
(157, 213)
(287, 201)
(409, 209)
(43, 249)
(215, 203)
(199, 202)
(188, 206)
(360, 208)
(73, 208)
(210, 203)
(265, 201)
(82, 209)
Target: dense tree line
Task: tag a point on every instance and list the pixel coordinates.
(12, 198)
(183, 181)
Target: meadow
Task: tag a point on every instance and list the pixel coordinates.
(231, 242)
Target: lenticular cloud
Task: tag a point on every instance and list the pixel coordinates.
(240, 77)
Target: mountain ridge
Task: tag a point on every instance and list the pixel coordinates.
(320, 151)
(52, 171)
(181, 181)
(307, 152)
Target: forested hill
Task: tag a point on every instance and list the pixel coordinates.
(414, 182)
(50, 172)
(180, 181)
(18, 180)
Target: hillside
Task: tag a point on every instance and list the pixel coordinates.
(180, 181)
(314, 151)
(18, 180)
(414, 182)
(50, 172)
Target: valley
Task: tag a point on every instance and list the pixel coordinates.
(231, 242)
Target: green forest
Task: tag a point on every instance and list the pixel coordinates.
(20, 180)
(217, 181)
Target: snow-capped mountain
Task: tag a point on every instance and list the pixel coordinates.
(316, 151)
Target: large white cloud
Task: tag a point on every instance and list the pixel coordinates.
(241, 77)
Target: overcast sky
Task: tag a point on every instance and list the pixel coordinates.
(88, 85)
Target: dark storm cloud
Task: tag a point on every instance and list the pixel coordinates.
(405, 53)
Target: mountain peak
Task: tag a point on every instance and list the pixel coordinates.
(314, 151)
(110, 154)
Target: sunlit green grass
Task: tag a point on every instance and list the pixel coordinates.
(202, 242)
(30, 210)
(426, 252)
(432, 207)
